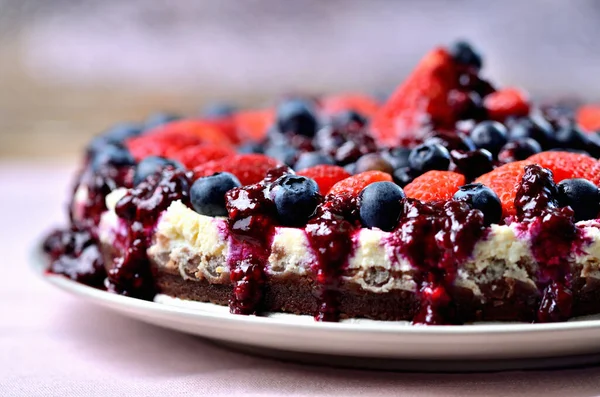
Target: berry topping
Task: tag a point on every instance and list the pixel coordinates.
(112, 155)
(397, 157)
(434, 186)
(158, 119)
(588, 117)
(311, 159)
(582, 196)
(325, 175)
(508, 102)
(519, 149)
(380, 205)
(566, 165)
(537, 192)
(489, 135)
(472, 164)
(151, 165)
(297, 116)
(373, 162)
(207, 194)
(355, 184)
(296, 197)
(535, 128)
(421, 99)
(347, 117)
(465, 55)
(248, 168)
(193, 156)
(504, 181)
(428, 157)
(482, 198)
(218, 110)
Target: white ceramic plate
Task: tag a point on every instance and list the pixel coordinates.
(360, 343)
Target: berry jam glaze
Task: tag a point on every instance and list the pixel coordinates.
(436, 237)
(329, 234)
(250, 227)
(99, 184)
(553, 237)
(130, 273)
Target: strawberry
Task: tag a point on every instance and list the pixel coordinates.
(248, 168)
(160, 143)
(353, 185)
(253, 124)
(504, 181)
(360, 103)
(193, 156)
(421, 99)
(208, 131)
(434, 186)
(325, 175)
(566, 165)
(588, 117)
(507, 102)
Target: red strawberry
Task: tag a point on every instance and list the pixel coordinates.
(193, 156)
(353, 185)
(208, 131)
(253, 124)
(160, 143)
(249, 168)
(360, 103)
(505, 181)
(588, 117)
(565, 165)
(421, 99)
(435, 186)
(507, 102)
(325, 175)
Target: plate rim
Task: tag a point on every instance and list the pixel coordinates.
(37, 264)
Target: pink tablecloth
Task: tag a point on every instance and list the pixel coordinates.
(52, 344)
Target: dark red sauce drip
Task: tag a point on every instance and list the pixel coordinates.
(99, 184)
(250, 226)
(436, 238)
(329, 234)
(130, 273)
(553, 237)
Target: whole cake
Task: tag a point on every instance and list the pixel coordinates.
(452, 201)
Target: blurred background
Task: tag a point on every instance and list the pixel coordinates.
(68, 69)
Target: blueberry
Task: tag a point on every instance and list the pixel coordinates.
(373, 162)
(472, 164)
(582, 196)
(151, 165)
(429, 156)
(207, 194)
(380, 205)
(116, 134)
(464, 54)
(218, 110)
(535, 128)
(350, 168)
(403, 176)
(158, 119)
(297, 116)
(519, 149)
(397, 157)
(481, 198)
(251, 147)
(349, 117)
(282, 152)
(452, 140)
(489, 135)
(571, 137)
(296, 198)
(112, 154)
(310, 159)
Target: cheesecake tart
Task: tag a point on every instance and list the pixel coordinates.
(452, 201)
